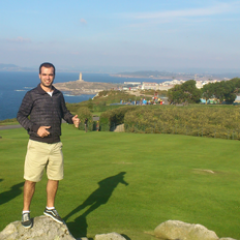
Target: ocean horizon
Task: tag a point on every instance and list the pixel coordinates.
(14, 85)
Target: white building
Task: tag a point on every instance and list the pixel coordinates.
(132, 83)
(149, 85)
(199, 84)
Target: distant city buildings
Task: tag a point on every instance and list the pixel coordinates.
(132, 83)
(149, 85)
(162, 86)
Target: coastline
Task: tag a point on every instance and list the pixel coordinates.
(140, 77)
(196, 78)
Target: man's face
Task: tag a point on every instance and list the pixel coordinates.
(46, 76)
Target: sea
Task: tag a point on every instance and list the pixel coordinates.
(14, 85)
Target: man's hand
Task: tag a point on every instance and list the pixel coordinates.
(43, 132)
(76, 121)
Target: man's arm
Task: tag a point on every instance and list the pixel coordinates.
(23, 113)
(67, 116)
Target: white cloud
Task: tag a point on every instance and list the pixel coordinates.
(198, 12)
(83, 21)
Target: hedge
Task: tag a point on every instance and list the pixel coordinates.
(209, 122)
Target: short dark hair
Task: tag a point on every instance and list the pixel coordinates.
(47, 65)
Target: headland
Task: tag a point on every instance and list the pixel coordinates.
(80, 86)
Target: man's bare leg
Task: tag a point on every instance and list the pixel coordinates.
(29, 188)
(52, 187)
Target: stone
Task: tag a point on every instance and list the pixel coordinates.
(174, 229)
(227, 239)
(119, 128)
(43, 228)
(109, 236)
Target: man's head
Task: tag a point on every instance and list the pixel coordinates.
(46, 65)
(46, 75)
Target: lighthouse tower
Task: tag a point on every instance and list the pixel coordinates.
(80, 77)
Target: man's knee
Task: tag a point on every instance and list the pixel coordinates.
(29, 184)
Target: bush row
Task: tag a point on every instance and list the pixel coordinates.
(210, 122)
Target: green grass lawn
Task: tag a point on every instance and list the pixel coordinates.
(130, 183)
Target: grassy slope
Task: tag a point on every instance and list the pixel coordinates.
(163, 172)
(9, 122)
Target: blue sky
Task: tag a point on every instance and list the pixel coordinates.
(108, 35)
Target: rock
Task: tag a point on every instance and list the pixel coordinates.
(109, 236)
(227, 239)
(120, 128)
(174, 229)
(43, 228)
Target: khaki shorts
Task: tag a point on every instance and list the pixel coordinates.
(42, 156)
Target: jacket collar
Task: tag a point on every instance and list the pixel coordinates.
(41, 91)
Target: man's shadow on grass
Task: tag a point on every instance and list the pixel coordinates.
(99, 197)
(12, 193)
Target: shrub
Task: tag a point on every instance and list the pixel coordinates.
(84, 112)
(115, 117)
(207, 121)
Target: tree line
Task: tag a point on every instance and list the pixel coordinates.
(224, 91)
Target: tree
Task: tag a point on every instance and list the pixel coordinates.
(192, 92)
(184, 93)
(175, 95)
(224, 90)
(90, 104)
(220, 90)
(84, 112)
(208, 91)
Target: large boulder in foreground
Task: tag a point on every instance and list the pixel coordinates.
(109, 236)
(174, 229)
(226, 239)
(43, 228)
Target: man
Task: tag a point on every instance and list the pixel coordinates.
(85, 123)
(46, 107)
